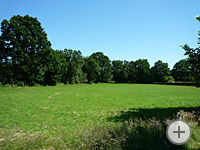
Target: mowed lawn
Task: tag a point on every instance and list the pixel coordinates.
(72, 108)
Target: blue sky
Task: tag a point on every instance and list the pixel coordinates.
(121, 29)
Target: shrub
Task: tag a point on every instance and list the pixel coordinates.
(169, 79)
(13, 85)
(7, 85)
(38, 85)
(20, 83)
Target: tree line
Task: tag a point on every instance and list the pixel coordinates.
(26, 58)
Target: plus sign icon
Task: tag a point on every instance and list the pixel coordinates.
(178, 132)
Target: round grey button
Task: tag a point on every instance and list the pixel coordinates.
(178, 132)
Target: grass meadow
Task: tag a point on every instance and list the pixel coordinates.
(72, 116)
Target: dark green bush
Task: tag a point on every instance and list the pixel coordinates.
(20, 83)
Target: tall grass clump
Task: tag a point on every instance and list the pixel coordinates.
(142, 134)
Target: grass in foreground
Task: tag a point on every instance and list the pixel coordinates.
(66, 116)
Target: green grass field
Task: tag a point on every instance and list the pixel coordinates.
(74, 108)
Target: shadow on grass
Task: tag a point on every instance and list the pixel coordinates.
(145, 113)
(147, 128)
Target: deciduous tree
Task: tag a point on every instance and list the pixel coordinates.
(105, 65)
(182, 71)
(194, 58)
(143, 70)
(92, 69)
(117, 66)
(23, 40)
(159, 71)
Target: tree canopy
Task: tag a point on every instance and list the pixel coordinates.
(105, 66)
(92, 69)
(27, 58)
(159, 71)
(194, 58)
(182, 71)
(143, 71)
(23, 41)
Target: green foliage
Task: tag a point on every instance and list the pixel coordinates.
(143, 71)
(105, 66)
(182, 71)
(159, 71)
(169, 79)
(7, 85)
(124, 71)
(23, 40)
(26, 58)
(194, 58)
(20, 83)
(6, 73)
(117, 66)
(74, 72)
(124, 74)
(120, 71)
(55, 66)
(92, 69)
(132, 72)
